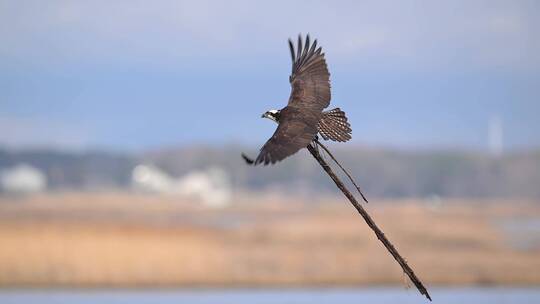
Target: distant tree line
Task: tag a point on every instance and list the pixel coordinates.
(381, 172)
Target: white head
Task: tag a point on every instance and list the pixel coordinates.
(272, 115)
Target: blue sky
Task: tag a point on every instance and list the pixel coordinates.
(135, 75)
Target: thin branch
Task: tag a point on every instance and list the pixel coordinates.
(378, 232)
(342, 169)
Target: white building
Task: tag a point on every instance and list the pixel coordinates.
(211, 186)
(22, 179)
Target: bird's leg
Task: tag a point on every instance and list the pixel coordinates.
(315, 144)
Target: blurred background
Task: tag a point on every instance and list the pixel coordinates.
(122, 124)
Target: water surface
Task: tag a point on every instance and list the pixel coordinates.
(267, 296)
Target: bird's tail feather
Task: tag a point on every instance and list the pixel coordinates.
(334, 126)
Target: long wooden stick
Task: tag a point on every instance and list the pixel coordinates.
(378, 232)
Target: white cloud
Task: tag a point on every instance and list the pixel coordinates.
(476, 32)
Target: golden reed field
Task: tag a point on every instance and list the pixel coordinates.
(122, 240)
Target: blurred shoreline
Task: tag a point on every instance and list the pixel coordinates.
(96, 240)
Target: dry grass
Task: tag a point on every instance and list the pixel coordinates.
(128, 240)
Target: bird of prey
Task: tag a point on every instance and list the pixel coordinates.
(303, 117)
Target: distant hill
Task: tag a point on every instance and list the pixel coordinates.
(382, 173)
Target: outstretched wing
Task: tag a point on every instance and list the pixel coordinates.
(296, 130)
(310, 79)
(310, 82)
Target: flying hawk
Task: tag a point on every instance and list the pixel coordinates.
(303, 117)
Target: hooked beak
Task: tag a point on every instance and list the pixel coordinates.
(265, 115)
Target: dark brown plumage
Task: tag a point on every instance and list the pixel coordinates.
(303, 117)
